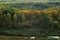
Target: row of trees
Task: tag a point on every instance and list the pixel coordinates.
(42, 19)
(12, 19)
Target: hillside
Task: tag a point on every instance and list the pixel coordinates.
(32, 6)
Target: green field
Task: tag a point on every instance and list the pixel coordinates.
(23, 38)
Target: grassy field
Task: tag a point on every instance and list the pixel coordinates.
(23, 38)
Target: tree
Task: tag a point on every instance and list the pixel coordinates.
(20, 17)
(44, 20)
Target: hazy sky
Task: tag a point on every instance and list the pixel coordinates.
(32, 0)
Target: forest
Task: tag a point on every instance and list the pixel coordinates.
(23, 22)
(27, 19)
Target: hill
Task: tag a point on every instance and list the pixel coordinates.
(32, 6)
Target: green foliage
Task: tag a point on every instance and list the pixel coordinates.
(14, 22)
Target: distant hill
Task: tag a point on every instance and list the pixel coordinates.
(33, 6)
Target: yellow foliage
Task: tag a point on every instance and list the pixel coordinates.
(37, 11)
(30, 11)
(26, 11)
(51, 11)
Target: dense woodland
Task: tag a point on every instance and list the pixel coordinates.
(14, 21)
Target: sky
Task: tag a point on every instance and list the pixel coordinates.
(32, 0)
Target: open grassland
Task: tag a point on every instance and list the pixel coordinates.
(22, 38)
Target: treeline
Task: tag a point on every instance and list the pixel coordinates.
(17, 19)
